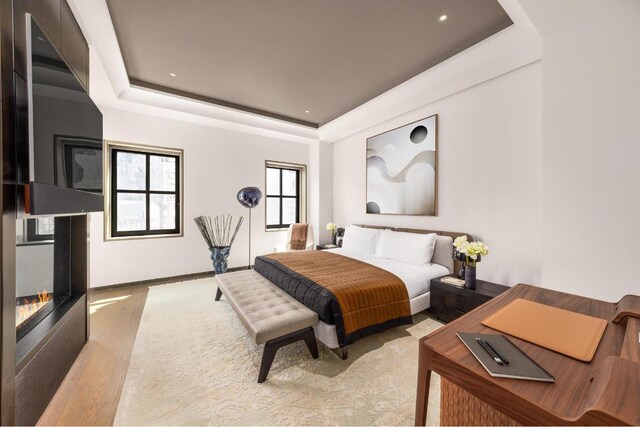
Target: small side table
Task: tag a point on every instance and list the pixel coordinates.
(323, 247)
(449, 302)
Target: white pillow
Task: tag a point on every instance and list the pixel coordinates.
(360, 240)
(411, 248)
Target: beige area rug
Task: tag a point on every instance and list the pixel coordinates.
(193, 363)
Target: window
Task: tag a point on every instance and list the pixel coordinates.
(285, 194)
(144, 191)
(40, 229)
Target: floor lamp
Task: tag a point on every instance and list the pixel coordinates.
(249, 197)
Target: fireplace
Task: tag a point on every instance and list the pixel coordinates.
(42, 270)
(51, 307)
(30, 310)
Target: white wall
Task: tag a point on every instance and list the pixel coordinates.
(591, 145)
(321, 190)
(489, 170)
(217, 163)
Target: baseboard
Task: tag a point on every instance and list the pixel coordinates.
(165, 280)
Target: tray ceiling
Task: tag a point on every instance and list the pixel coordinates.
(305, 61)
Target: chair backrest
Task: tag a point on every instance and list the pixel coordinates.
(309, 235)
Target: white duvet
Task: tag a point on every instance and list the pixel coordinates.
(415, 277)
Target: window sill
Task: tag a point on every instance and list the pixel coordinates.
(36, 243)
(271, 230)
(150, 236)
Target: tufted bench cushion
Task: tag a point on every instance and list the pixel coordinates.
(270, 315)
(267, 311)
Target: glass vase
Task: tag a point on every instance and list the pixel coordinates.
(219, 255)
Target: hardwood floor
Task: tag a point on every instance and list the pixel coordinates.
(90, 392)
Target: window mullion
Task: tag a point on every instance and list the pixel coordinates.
(281, 199)
(297, 196)
(148, 194)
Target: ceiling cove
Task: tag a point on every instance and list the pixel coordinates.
(302, 61)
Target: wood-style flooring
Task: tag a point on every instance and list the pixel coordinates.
(90, 392)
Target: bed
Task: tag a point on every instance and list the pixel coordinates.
(414, 278)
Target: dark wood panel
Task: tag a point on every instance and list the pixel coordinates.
(13, 16)
(21, 130)
(74, 46)
(45, 199)
(38, 381)
(47, 13)
(7, 229)
(80, 259)
(8, 332)
(21, 8)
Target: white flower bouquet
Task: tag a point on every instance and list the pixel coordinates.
(332, 227)
(471, 251)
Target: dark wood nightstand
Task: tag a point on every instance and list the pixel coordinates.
(449, 302)
(323, 247)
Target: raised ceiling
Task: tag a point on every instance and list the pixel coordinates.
(282, 58)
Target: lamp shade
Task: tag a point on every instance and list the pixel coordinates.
(249, 197)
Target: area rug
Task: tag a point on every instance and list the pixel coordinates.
(193, 363)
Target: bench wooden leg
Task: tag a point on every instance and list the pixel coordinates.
(309, 338)
(271, 348)
(218, 294)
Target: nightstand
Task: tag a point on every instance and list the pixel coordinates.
(449, 302)
(323, 247)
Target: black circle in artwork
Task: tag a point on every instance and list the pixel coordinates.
(372, 207)
(418, 134)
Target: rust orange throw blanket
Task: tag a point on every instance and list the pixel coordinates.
(299, 237)
(357, 297)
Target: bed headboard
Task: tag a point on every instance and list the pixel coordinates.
(453, 234)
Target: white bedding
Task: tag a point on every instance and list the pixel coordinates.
(415, 277)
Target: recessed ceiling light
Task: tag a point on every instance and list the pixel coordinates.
(172, 74)
(442, 18)
(307, 111)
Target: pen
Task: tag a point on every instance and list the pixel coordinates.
(489, 351)
(504, 359)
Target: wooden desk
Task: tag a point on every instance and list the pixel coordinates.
(604, 391)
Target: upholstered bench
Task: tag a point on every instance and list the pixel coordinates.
(270, 315)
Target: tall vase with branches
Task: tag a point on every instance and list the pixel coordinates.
(218, 237)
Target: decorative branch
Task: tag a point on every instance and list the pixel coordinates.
(218, 231)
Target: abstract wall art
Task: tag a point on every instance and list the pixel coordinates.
(402, 170)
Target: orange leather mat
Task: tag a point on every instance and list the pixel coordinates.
(572, 334)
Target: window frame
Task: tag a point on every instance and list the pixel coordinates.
(300, 196)
(31, 234)
(111, 192)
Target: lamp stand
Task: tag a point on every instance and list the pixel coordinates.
(249, 268)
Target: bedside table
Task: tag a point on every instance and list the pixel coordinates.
(449, 302)
(323, 247)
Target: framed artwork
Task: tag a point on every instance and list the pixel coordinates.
(78, 163)
(402, 170)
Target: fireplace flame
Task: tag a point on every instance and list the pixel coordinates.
(30, 306)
